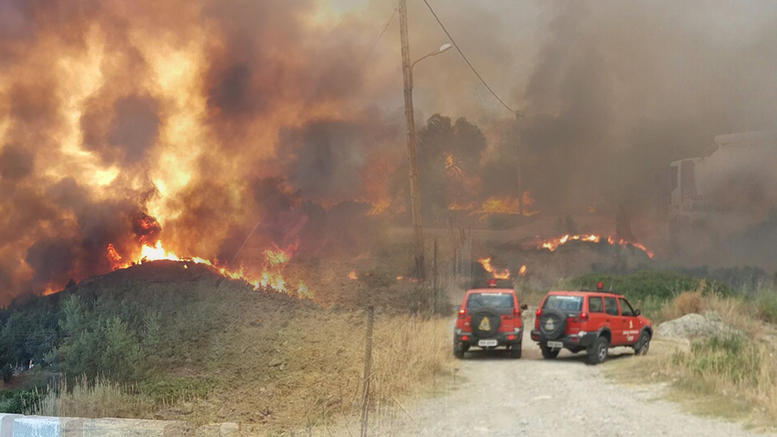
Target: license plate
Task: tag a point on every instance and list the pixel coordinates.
(486, 343)
(555, 344)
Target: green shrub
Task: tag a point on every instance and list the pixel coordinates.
(19, 401)
(7, 372)
(94, 345)
(646, 284)
(766, 302)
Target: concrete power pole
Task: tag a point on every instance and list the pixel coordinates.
(415, 197)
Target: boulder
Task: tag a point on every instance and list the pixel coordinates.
(694, 325)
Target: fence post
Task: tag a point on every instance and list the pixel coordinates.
(435, 280)
(367, 365)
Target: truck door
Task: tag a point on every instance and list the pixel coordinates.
(596, 312)
(631, 325)
(614, 319)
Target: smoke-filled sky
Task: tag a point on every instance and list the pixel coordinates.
(212, 116)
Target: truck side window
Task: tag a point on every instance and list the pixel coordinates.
(626, 309)
(595, 304)
(611, 306)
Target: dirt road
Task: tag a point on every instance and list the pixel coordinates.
(492, 395)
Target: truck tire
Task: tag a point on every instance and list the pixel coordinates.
(642, 345)
(597, 351)
(515, 350)
(458, 349)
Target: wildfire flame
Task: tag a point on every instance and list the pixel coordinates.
(554, 243)
(352, 275)
(499, 205)
(522, 271)
(271, 277)
(497, 273)
(379, 207)
(113, 256)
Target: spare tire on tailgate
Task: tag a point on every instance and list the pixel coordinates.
(553, 323)
(485, 323)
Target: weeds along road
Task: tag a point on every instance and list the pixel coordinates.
(492, 395)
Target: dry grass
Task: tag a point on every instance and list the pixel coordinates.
(279, 367)
(300, 368)
(743, 315)
(732, 375)
(100, 398)
(684, 303)
(409, 351)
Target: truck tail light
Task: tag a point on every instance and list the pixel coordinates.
(462, 313)
(539, 312)
(582, 317)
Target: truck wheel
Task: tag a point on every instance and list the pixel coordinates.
(515, 350)
(459, 349)
(549, 353)
(597, 351)
(642, 345)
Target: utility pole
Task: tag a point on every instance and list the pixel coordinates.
(415, 197)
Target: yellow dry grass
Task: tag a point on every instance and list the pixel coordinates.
(310, 372)
(278, 368)
(738, 313)
(101, 398)
(732, 375)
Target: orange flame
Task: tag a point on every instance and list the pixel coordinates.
(499, 205)
(352, 275)
(554, 243)
(522, 271)
(497, 273)
(271, 278)
(113, 256)
(379, 207)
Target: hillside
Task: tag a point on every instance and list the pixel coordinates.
(177, 341)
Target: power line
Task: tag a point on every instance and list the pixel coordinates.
(380, 35)
(463, 56)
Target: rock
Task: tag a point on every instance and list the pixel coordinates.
(694, 325)
(229, 429)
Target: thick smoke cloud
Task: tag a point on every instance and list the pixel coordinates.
(15, 163)
(620, 89)
(211, 117)
(122, 125)
(123, 133)
(52, 260)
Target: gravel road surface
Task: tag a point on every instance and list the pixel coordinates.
(492, 395)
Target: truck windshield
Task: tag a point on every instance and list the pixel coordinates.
(567, 304)
(490, 300)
